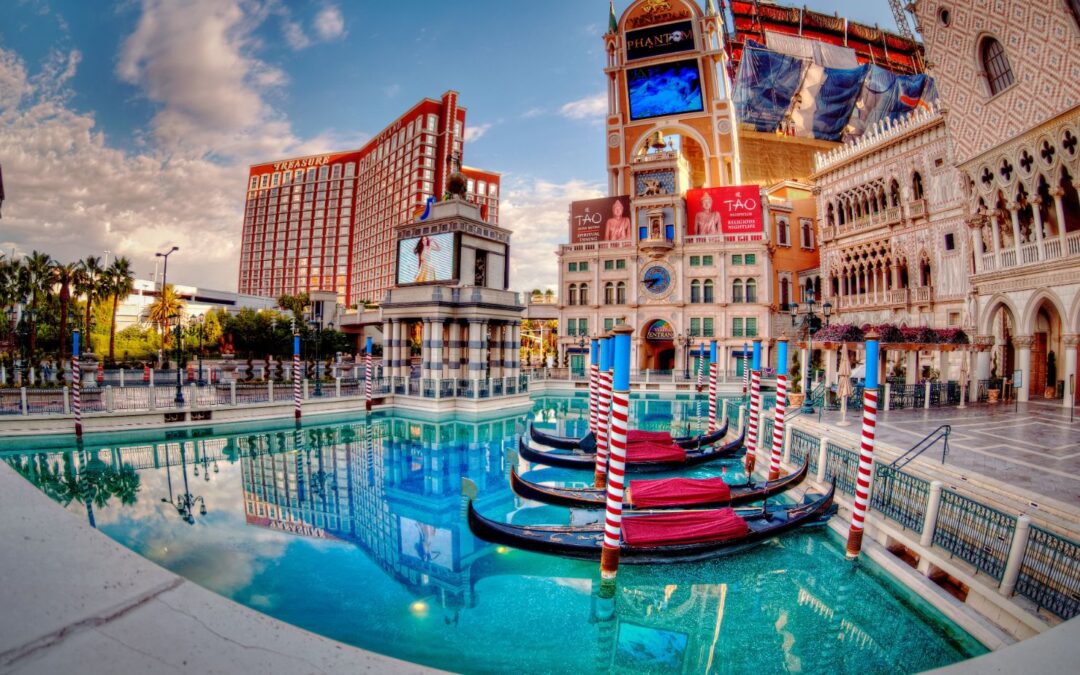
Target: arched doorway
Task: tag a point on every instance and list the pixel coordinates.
(658, 346)
(1046, 349)
(1003, 327)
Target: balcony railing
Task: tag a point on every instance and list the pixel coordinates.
(923, 294)
(1032, 253)
(917, 208)
(898, 297)
(892, 215)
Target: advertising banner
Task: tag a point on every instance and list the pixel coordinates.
(426, 259)
(604, 219)
(670, 88)
(734, 210)
(669, 38)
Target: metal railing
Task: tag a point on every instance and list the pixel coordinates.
(841, 466)
(1050, 573)
(900, 496)
(924, 444)
(977, 534)
(802, 446)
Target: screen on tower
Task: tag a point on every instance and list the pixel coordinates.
(664, 89)
(426, 259)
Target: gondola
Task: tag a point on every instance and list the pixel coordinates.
(587, 443)
(642, 457)
(696, 493)
(671, 536)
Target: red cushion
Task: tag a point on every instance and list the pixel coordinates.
(635, 436)
(654, 452)
(682, 527)
(650, 493)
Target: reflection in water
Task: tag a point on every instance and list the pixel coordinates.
(356, 531)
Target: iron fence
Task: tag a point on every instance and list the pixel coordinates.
(975, 533)
(900, 496)
(841, 466)
(1050, 573)
(804, 445)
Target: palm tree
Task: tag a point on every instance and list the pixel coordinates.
(119, 282)
(164, 308)
(91, 283)
(34, 283)
(64, 275)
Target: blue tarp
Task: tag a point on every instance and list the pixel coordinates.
(766, 84)
(886, 95)
(826, 100)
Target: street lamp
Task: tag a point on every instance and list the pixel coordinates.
(317, 326)
(165, 272)
(198, 327)
(179, 398)
(685, 341)
(185, 503)
(812, 324)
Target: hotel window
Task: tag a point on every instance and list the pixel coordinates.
(707, 327)
(583, 266)
(806, 227)
(571, 267)
(695, 261)
(695, 291)
(472, 186)
(695, 327)
(265, 180)
(995, 65)
(707, 291)
(750, 259)
(493, 190)
(609, 293)
(432, 121)
(254, 182)
(751, 290)
(457, 128)
(350, 169)
(751, 326)
(608, 325)
(737, 327)
(737, 291)
(571, 296)
(324, 171)
(736, 259)
(583, 293)
(481, 188)
(609, 264)
(620, 293)
(783, 233)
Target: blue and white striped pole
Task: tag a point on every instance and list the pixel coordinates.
(76, 383)
(755, 408)
(620, 414)
(712, 386)
(367, 375)
(781, 408)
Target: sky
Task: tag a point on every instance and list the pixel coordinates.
(128, 126)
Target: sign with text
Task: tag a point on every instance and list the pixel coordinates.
(604, 219)
(660, 331)
(734, 210)
(669, 38)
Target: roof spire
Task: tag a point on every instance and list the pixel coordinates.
(710, 8)
(612, 22)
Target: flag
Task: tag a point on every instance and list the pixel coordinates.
(765, 86)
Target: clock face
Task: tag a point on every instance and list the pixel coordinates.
(656, 279)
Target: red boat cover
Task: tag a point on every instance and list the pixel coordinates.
(650, 493)
(635, 436)
(683, 527)
(654, 452)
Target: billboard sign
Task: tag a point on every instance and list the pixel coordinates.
(669, 38)
(426, 259)
(734, 210)
(604, 219)
(669, 88)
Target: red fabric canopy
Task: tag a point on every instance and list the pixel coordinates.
(635, 436)
(649, 493)
(654, 452)
(682, 527)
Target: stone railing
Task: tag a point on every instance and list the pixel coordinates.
(923, 294)
(917, 208)
(1031, 253)
(877, 135)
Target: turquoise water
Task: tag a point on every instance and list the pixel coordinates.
(362, 540)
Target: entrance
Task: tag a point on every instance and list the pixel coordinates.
(658, 346)
(577, 364)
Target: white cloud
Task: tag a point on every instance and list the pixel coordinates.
(590, 107)
(533, 112)
(295, 36)
(538, 212)
(392, 90)
(329, 24)
(474, 133)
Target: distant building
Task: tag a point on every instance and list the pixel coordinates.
(325, 222)
(197, 301)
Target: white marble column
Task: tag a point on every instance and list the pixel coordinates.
(1014, 215)
(912, 366)
(1059, 211)
(1070, 373)
(425, 350)
(1036, 213)
(1023, 344)
(455, 350)
(476, 351)
(996, 232)
(436, 349)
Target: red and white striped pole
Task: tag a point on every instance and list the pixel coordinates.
(866, 451)
(755, 409)
(620, 414)
(367, 375)
(296, 374)
(781, 408)
(76, 384)
(701, 368)
(603, 411)
(745, 369)
(712, 386)
(594, 384)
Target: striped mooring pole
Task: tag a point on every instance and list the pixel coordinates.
(76, 383)
(701, 368)
(603, 411)
(866, 450)
(296, 374)
(745, 369)
(755, 409)
(594, 383)
(367, 375)
(712, 385)
(781, 408)
(620, 413)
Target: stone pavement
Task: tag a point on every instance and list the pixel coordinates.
(1036, 449)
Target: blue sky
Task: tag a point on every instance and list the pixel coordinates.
(128, 126)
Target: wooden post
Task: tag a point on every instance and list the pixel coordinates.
(603, 410)
(76, 382)
(713, 426)
(620, 412)
(866, 451)
(295, 378)
(594, 384)
(781, 408)
(367, 376)
(755, 409)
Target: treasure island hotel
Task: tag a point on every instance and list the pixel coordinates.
(325, 222)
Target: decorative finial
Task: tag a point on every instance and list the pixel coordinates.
(612, 22)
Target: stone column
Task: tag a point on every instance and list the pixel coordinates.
(1014, 215)
(425, 350)
(1036, 202)
(982, 357)
(454, 369)
(387, 339)
(1023, 344)
(975, 232)
(996, 237)
(944, 358)
(1070, 342)
(477, 353)
(912, 367)
(515, 350)
(1059, 210)
(436, 351)
(495, 347)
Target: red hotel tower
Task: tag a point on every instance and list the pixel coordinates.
(325, 222)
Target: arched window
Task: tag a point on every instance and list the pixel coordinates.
(707, 291)
(751, 290)
(925, 276)
(695, 291)
(894, 193)
(620, 293)
(785, 294)
(995, 65)
(916, 186)
(571, 297)
(807, 233)
(609, 293)
(782, 234)
(737, 291)
(830, 215)
(583, 294)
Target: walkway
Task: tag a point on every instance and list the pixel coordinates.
(1036, 449)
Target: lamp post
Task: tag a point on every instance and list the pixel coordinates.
(198, 326)
(685, 341)
(165, 274)
(179, 398)
(185, 503)
(812, 324)
(317, 326)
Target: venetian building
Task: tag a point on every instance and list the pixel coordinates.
(1010, 82)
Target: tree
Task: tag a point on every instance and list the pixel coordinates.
(120, 283)
(91, 284)
(34, 285)
(163, 309)
(64, 275)
(295, 304)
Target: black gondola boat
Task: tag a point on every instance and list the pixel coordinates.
(594, 498)
(579, 460)
(585, 542)
(587, 443)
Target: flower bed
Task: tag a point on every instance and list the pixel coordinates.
(892, 334)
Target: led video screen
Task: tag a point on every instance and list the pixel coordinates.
(664, 89)
(426, 259)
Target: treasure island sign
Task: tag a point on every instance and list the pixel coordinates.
(657, 11)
